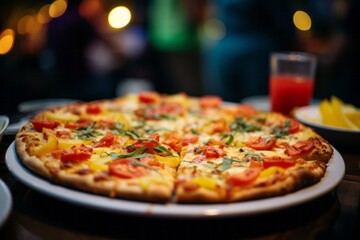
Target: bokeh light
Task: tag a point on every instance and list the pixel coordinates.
(28, 24)
(57, 8)
(214, 29)
(119, 17)
(43, 14)
(302, 20)
(7, 39)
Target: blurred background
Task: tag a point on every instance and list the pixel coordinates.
(94, 49)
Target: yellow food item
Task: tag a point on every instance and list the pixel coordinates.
(68, 143)
(335, 112)
(170, 161)
(48, 147)
(61, 117)
(271, 171)
(205, 182)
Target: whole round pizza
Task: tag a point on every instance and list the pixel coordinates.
(173, 148)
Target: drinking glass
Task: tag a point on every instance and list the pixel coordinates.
(291, 82)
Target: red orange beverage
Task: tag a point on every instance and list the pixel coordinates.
(291, 82)
(287, 91)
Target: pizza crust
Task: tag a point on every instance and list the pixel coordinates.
(293, 180)
(32, 162)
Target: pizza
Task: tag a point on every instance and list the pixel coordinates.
(172, 148)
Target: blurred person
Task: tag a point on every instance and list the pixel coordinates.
(73, 40)
(237, 66)
(174, 37)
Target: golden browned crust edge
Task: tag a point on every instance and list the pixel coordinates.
(32, 162)
(294, 180)
(323, 150)
(116, 187)
(111, 187)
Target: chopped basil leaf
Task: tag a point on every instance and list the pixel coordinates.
(226, 164)
(131, 134)
(229, 138)
(86, 133)
(138, 153)
(268, 139)
(157, 129)
(168, 116)
(162, 149)
(240, 125)
(252, 155)
(194, 131)
(280, 132)
(118, 129)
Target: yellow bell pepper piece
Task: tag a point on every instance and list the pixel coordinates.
(48, 147)
(205, 182)
(99, 165)
(168, 160)
(271, 171)
(61, 117)
(68, 143)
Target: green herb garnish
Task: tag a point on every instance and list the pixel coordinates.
(138, 153)
(281, 132)
(87, 133)
(229, 138)
(226, 164)
(240, 125)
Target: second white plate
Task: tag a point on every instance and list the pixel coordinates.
(339, 137)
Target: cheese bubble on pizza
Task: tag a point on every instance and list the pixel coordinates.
(172, 148)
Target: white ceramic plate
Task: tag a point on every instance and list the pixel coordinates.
(5, 202)
(40, 104)
(4, 123)
(32, 107)
(334, 174)
(339, 137)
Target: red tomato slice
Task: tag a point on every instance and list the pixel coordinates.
(277, 161)
(76, 125)
(210, 101)
(149, 144)
(189, 138)
(212, 152)
(76, 153)
(66, 134)
(105, 123)
(173, 140)
(106, 141)
(93, 108)
(44, 123)
(244, 177)
(261, 143)
(300, 148)
(149, 97)
(245, 110)
(199, 159)
(124, 168)
(172, 108)
(152, 162)
(294, 126)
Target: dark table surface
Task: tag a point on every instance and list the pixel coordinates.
(335, 215)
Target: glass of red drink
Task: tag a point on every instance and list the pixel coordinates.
(291, 80)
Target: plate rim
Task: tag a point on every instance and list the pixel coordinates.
(333, 175)
(300, 110)
(6, 202)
